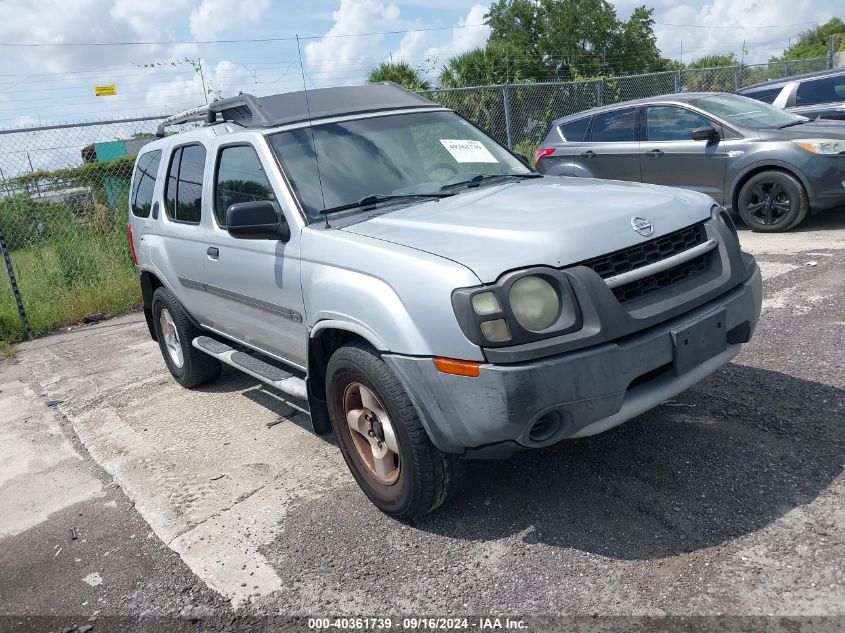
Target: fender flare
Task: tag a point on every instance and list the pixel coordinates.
(764, 165)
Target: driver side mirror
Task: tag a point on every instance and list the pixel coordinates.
(257, 220)
(708, 133)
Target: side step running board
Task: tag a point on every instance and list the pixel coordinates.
(265, 372)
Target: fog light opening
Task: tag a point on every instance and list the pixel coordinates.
(546, 427)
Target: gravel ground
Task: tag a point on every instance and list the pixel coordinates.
(725, 501)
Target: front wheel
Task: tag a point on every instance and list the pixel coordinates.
(772, 201)
(381, 437)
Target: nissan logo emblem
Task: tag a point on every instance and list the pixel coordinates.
(642, 226)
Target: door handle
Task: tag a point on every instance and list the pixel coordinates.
(213, 252)
(655, 153)
(588, 154)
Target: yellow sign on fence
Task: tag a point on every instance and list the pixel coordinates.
(108, 90)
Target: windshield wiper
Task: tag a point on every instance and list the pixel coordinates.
(374, 199)
(477, 179)
(791, 123)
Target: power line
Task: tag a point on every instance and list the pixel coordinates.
(239, 41)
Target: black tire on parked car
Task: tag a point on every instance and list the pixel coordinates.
(188, 365)
(389, 452)
(772, 201)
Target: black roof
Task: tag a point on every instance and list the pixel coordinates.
(785, 80)
(320, 103)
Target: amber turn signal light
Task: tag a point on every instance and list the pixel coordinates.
(457, 367)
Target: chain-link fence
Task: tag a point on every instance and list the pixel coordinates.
(64, 189)
(518, 114)
(63, 215)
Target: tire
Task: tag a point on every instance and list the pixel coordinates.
(424, 477)
(195, 368)
(773, 201)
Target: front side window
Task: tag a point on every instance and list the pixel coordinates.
(827, 90)
(671, 123)
(144, 183)
(746, 112)
(397, 155)
(183, 192)
(240, 178)
(617, 126)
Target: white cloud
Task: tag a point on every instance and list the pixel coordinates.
(224, 79)
(212, 17)
(723, 25)
(331, 58)
(429, 50)
(146, 17)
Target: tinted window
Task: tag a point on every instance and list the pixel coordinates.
(183, 193)
(670, 123)
(766, 96)
(170, 185)
(613, 126)
(821, 91)
(189, 196)
(575, 131)
(144, 183)
(240, 178)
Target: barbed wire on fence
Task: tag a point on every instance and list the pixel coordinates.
(64, 188)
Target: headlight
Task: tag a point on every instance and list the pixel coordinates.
(821, 145)
(521, 307)
(534, 303)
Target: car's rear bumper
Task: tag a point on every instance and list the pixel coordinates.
(580, 392)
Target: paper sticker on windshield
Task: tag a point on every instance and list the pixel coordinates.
(468, 151)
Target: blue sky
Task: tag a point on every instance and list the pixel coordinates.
(50, 83)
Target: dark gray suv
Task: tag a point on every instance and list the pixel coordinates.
(770, 166)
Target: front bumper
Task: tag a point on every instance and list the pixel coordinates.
(579, 393)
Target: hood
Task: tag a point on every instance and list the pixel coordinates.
(820, 128)
(553, 221)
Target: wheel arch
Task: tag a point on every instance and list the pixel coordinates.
(749, 172)
(324, 339)
(149, 283)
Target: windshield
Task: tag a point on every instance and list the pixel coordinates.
(746, 112)
(387, 156)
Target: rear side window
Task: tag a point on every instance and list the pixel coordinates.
(240, 178)
(821, 91)
(617, 126)
(766, 96)
(144, 184)
(575, 131)
(183, 192)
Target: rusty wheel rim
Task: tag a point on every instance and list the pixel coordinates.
(372, 433)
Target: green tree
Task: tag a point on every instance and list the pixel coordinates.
(816, 42)
(399, 72)
(492, 64)
(714, 61)
(577, 38)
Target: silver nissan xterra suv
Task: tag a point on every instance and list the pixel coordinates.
(429, 296)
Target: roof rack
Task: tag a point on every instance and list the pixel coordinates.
(243, 110)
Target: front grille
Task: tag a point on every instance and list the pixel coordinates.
(651, 252)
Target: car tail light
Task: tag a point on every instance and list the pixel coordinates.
(132, 244)
(542, 152)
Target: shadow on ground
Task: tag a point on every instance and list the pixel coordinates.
(728, 457)
(824, 221)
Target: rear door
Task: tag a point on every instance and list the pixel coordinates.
(178, 251)
(142, 199)
(670, 157)
(612, 148)
(254, 286)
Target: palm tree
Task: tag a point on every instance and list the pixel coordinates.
(400, 72)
